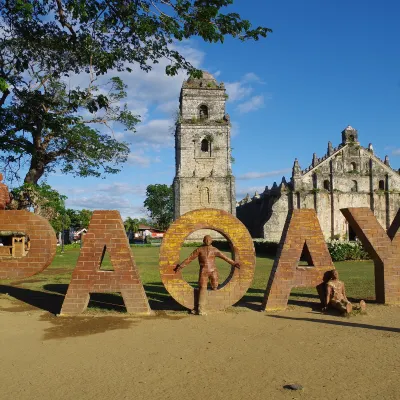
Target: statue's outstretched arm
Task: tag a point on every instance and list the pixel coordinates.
(227, 259)
(188, 260)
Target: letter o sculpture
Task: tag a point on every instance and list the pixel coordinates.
(239, 280)
(43, 244)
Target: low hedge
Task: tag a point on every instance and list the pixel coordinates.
(340, 250)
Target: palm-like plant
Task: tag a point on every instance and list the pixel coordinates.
(131, 226)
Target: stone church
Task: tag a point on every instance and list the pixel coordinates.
(203, 176)
(346, 176)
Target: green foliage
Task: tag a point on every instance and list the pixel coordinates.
(159, 203)
(42, 200)
(346, 250)
(131, 225)
(43, 43)
(79, 218)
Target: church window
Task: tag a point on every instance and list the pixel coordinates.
(327, 184)
(205, 146)
(353, 166)
(205, 198)
(382, 185)
(203, 110)
(354, 188)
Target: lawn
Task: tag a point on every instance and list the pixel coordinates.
(47, 289)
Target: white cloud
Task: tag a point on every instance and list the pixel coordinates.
(140, 159)
(242, 192)
(104, 202)
(253, 104)
(169, 107)
(237, 90)
(113, 196)
(252, 77)
(396, 152)
(117, 188)
(258, 175)
(156, 133)
(235, 129)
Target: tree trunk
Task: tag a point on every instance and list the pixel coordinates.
(36, 170)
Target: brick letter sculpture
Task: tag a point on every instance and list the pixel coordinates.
(384, 248)
(106, 232)
(42, 241)
(239, 280)
(302, 230)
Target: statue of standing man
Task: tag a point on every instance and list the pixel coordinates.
(208, 271)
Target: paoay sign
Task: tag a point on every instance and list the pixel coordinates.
(106, 233)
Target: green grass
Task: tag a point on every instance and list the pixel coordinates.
(52, 283)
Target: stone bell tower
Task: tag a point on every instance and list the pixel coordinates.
(203, 177)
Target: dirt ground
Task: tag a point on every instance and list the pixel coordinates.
(238, 354)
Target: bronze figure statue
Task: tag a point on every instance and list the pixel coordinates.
(208, 271)
(336, 295)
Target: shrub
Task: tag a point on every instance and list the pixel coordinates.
(342, 250)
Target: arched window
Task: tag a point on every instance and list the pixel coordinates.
(327, 185)
(205, 198)
(205, 146)
(351, 137)
(353, 166)
(382, 185)
(203, 110)
(354, 187)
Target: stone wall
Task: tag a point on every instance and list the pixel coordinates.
(347, 176)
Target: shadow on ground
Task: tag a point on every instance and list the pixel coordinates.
(338, 322)
(52, 297)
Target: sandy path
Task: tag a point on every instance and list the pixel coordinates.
(232, 355)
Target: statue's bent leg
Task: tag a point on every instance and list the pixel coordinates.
(343, 306)
(203, 281)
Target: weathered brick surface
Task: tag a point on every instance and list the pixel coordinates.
(302, 227)
(43, 244)
(384, 248)
(105, 229)
(236, 285)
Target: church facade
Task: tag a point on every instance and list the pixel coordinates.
(346, 176)
(203, 176)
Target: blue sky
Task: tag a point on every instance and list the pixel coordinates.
(326, 65)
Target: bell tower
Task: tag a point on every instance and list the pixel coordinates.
(203, 176)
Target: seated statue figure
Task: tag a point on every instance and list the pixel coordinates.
(336, 295)
(208, 271)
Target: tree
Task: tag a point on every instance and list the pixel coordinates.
(46, 124)
(131, 226)
(79, 218)
(44, 201)
(159, 203)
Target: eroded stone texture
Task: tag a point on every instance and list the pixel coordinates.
(302, 227)
(235, 286)
(203, 177)
(349, 175)
(42, 249)
(4, 194)
(384, 248)
(106, 229)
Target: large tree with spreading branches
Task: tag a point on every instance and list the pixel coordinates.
(44, 123)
